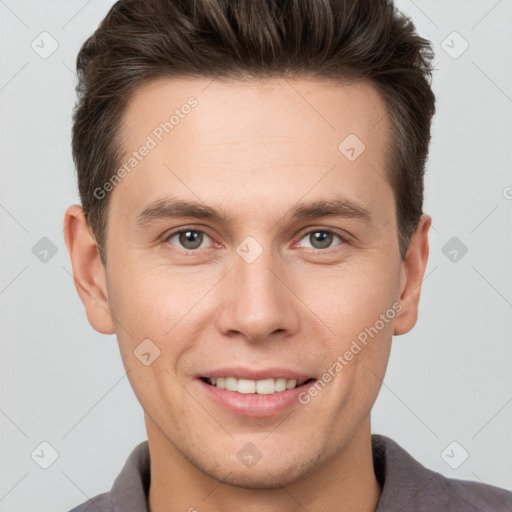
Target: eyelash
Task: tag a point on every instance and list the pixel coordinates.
(344, 239)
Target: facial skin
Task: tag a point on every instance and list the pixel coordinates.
(254, 150)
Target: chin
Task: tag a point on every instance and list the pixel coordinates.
(259, 479)
(270, 474)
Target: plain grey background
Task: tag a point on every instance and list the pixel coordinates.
(448, 388)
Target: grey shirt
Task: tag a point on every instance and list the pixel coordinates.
(406, 486)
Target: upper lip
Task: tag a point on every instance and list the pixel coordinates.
(254, 374)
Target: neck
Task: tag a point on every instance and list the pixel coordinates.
(345, 483)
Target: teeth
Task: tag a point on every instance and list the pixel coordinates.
(260, 387)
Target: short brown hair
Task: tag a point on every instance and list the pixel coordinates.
(343, 40)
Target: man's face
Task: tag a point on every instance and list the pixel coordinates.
(262, 288)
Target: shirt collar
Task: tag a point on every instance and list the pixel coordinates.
(131, 487)
(400, 476)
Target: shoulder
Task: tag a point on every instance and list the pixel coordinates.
(475, 495)
(101, 502)
(408, 485)
(130, 488)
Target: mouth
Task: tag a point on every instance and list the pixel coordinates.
(268, 386)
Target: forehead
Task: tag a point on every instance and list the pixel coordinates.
(228, 110)
(268, 139)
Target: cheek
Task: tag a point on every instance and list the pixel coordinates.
(150, 310)
(159, 304)
(148, 300)
(358, 303)
(351, 297)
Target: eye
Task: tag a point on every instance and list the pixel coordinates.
(321, 238)
(193, 239)
(189, 239)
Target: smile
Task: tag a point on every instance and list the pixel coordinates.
(260, 387)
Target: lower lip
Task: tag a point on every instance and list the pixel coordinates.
(253, 404)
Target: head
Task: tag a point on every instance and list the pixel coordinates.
(301, 132)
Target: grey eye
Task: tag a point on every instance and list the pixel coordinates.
(320, 238)
(189, 238)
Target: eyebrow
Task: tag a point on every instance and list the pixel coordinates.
(170, 208)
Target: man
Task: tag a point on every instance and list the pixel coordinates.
(251, 229)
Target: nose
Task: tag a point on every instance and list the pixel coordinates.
(258, 301)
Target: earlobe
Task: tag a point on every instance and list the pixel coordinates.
(88, 270)
(411, 278)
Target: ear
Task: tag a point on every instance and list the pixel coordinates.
(413, 270)
(88, 270)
